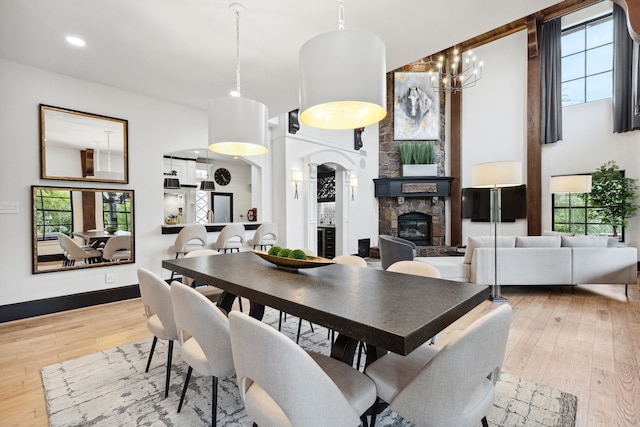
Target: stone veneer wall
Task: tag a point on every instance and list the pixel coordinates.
(389, 167)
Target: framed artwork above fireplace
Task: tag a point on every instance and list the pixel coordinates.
(416, 107)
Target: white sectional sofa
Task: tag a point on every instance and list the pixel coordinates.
(541, 260)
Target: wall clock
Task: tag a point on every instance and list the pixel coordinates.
(222, 176)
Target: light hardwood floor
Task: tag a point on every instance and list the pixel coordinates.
(587, 343)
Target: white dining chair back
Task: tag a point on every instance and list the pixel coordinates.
(203, 333)
(319, 392)
(74, 253)
(190, 238)
(417, 268)
(231, 237)
(353, 260)
(117, 248)
(266, 235)
(156, 298)
(454, 386)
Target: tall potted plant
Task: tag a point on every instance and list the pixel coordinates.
(614, 195)
(418, 158)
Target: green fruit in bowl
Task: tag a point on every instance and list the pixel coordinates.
(284, 252)
(274, 250)
(298, 254)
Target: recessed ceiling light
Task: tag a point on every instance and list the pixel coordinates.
(234, 93)
(196, 152)
(76, 41)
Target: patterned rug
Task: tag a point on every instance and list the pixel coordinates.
(111, 388)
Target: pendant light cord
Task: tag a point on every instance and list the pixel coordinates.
(238, 52)
(340, 15)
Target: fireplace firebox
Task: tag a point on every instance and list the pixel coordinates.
(416, 227)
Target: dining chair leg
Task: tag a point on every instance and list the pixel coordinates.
(299, 327)
(173, 272)
(214, 403)
(153, 347)
(280, 322)
(184, 389)
(484, 422)
(374, 411)
(169, 356)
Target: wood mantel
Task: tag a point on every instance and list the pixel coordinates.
(632, 9)
(413, 186)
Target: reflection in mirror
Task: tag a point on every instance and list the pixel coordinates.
(80, 228)
(80, 146)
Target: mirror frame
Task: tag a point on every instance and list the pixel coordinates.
(56, 257)
(120, 125)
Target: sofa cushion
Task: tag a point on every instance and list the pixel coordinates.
(486, 242)
(537, 241)
(556, 233)
(450, 267)
(584, 241)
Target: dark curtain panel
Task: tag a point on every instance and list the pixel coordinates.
(626, 107)
(551, 97)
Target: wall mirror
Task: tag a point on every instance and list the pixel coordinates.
(81, 228)
(81, 146)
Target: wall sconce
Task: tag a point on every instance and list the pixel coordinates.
(296, 177)
(354, 184)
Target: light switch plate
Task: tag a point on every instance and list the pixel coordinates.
(9, 207)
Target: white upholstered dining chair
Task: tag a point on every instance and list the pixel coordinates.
(319, 392)
(203, 333)
(353, 260)
(231, 237)
(156, 297)
(74, 253)
(192, 237)
(117, 248)
(454, 386)
(265, 235)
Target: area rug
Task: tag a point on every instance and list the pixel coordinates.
(111, 388)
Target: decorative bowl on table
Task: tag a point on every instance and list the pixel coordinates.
(310, 262)
(111, 229)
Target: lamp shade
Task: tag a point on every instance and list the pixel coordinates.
(570, 184)
(342, 80)
(296, 175)
(496, 174)
(171, 183)
(238, 126)
(207, 186)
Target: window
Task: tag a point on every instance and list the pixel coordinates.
(54, 213)
(116, 209)
(587, 61)
(572, 213)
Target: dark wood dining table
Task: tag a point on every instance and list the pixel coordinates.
(388, 311)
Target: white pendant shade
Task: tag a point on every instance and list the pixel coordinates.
(571, 184)
(342, 80)
(496, 174)
(238, 126)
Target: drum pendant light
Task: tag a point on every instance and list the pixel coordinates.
(342, 79)
(237, 125)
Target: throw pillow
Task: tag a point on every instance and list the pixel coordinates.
(584, 241)
(486, 242)
(537, 241)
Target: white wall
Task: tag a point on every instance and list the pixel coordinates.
(156, 127)
(494, 116)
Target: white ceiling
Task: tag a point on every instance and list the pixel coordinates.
(183, 51)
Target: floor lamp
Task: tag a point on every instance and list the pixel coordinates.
(570, 184)
(495, 175)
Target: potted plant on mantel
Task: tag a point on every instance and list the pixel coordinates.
(614, 195)
(418, 158)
